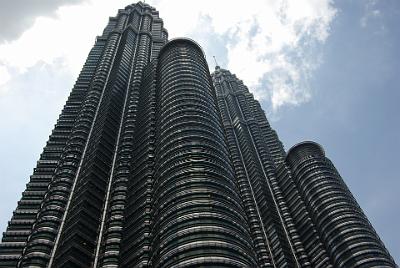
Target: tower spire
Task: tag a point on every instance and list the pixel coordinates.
(216, 63)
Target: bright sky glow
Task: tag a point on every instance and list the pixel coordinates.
(260, 39)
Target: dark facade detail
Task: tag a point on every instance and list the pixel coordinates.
(250, 141)
(344, 229)
(300, 211)
(198, 215)
(154, 162)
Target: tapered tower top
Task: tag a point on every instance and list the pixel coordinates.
(182, 40)
(302, 150)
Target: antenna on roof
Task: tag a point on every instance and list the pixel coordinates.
(216, 63)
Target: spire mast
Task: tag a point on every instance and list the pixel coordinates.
(216, 63)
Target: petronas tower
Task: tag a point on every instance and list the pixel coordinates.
(154, 162)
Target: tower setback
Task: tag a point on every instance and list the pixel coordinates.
(154, 162)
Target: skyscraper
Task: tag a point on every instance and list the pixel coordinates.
(154, 163)
(297, 201)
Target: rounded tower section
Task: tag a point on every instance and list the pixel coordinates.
(198, 216)
(346, 232)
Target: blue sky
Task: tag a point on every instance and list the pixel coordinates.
(323, 70)
(354, 110)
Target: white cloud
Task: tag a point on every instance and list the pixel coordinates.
(68, 35)
(266, 41)
(268, 44)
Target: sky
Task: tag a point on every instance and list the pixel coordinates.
(323, 70)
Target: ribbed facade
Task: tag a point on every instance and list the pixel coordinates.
(153, 162)
(345, 231)
(251, 141)
(198, 215)
(300, 212)
(72, 210)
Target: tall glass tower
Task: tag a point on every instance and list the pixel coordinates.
(300, 211)
(153, 162)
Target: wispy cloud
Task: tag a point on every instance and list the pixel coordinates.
(269, 44)
(371, 12)
(66, 37)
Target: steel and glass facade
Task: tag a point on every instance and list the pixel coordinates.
(343, 228)
(154, 162)
(300, 211)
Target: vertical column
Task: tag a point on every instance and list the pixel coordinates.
(198, 215)
(110, 229)
(135, 250)
(85, 218)
(308, 234)
(122, 242)
(258, 230)
(348, 236)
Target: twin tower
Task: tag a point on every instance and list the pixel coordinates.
(154, 162)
